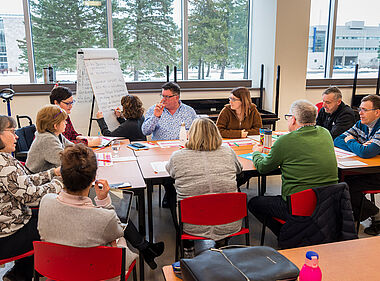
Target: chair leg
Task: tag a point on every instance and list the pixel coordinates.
(247, 184)
(36, 276)
(176, 246)
(159, 195)
(134, 273)
(360, 213)
(263, 232)
(181, 248)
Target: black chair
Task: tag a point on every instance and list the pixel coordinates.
(19, 117)
(25, 139)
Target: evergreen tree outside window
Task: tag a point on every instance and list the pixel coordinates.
(218, 39)
(147, 38)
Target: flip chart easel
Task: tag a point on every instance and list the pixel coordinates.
(99, 77)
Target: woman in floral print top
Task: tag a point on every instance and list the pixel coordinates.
(18, 191)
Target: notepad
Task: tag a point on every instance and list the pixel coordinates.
(124, 159)
(352, 163)
(159, 166)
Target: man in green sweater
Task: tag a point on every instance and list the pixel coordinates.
(306, 158)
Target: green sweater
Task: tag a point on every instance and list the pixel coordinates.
(306, 158)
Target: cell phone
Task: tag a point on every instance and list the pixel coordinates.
(138, 145)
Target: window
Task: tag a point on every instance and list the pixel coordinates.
(59, 28)
(218, 39)
(357, 39)
(12, 30)
(147, 36)
(317, 38)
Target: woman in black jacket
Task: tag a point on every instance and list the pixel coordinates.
(130, 123)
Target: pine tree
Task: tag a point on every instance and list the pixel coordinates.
(60, 27)
(218, 34)
(146, 36)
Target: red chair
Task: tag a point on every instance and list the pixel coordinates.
(27, 254)
(211, 209)
(319, 105)
(365, 192)
(300, 204)
(60, 262)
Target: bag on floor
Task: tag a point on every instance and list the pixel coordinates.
(237, 263)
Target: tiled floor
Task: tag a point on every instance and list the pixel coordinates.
(164, 229)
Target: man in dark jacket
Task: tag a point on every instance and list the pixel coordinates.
(335, 116)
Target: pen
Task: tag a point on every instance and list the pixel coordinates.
(105, 160)
(236, 144)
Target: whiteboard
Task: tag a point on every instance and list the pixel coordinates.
(99, 74)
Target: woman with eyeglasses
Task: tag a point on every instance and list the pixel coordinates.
(63, 97)
(130, 119)
(49, 140)
(240, 117)
(19, 190)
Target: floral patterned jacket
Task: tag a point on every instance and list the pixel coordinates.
(18, 190)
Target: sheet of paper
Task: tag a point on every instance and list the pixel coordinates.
(159, 166)
(104, 159)
(171, 143)
(238, 142)
(340, 153)
(352, 163)
(124, 159)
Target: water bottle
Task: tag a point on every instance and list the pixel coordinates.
(310, 270)
(267, 140)
(183, 134)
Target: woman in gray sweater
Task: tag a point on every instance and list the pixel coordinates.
(70, 218)
(48, 141)
(205, 166)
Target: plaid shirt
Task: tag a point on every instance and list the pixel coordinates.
(71, 134)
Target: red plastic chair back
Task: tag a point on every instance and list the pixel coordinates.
(27, 254)
(303, 203)
(213, 209)
(319, 105)
(60, 262)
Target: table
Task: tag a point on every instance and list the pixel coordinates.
(373, 166)
(127, 172)
(348, 260)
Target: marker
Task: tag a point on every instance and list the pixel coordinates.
(236, 144)
(104, 160)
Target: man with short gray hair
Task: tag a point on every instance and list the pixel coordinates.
(306, 158)
(335, 116)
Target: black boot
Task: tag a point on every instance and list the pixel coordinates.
(152, 251)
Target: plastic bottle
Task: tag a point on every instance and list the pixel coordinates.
(183, 134)
(310, 270)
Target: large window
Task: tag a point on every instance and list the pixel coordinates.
(317, 38)
(59, 28)
(218, 39)
(12, 30)
(357, 39)
(147, 36)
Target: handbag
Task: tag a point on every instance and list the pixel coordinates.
(239, 263)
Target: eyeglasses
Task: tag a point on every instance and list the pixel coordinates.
(167, 97)
(287, 116)
(68, 103)
(366, 109)
(233, 99)
(13, 131)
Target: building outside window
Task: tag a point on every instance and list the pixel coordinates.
(357, 39)
(12, 30)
